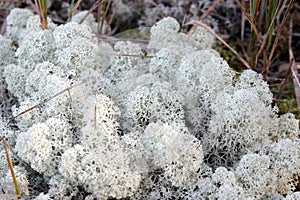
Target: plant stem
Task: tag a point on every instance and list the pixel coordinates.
(71, 11)
(18, 191)
(41, 6)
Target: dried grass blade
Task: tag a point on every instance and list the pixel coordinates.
(95, 5)
(41, 103)
(257, 6)
(263, 47)
(76, 7)
(18, 191)
(278, 34)
(202, 17)
(41, 6)
(112, 16)
(252, 24)
(100, 17)
(294, 70)
(199, 23)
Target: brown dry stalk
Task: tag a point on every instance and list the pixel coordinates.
(243, 35)
(102, 14)
(95, 5)
(286, 14)
(107, 7)
(112, 16)
(294, 68)
(41, 103)
(38, 8)
(100, 17)
(202, 17)
(10, 165)
(132, 55)
(41, 7)
(257, 6)
(199, 23)
(285, 82)
(76, 7)
(253, 26)
(264, 43)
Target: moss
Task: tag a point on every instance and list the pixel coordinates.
(287, 102)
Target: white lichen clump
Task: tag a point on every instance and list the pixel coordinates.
(109, 123)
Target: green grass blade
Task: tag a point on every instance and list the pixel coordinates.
(71, 11)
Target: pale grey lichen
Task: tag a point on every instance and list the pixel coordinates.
(36, 49)
(285, 162)
(177, 125)
(46, 77)
(104, 169)
(7, 49)
(64, 35)
(7, 57)
(200, 78)
(174, 150)
(165, 34)
(15, 77)
(293, 196)
(165, 64)
(16, 23)
(153, 103)
(33, 25)
(4, 166)
(101, 115)
(251, 79)
(288, 128)
(42, 144)
(7, 183)
(255, 173)
(90, 21)
(239, 120)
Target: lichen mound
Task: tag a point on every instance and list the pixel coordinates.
(111, 123)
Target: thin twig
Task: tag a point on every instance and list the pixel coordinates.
(252, 24)
(100, 17)
(74, 108)
(132, 55)
(91, 10)
(280, 28)
(76, 7)
(199, 23)
(243, 35)
(107, 8)
(41, 103)
(294, 68)
(264, 43)
(41, 6)
(285, 82)
(17, 157)
(38, 8)
(256, 10)
(112, 16)
(203, 16)
(18, 191)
